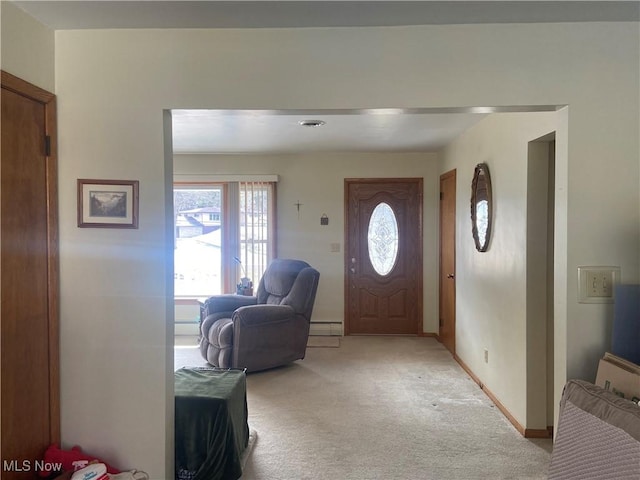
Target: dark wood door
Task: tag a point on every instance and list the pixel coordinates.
(447, 334)
(383, 256)
(28, 235)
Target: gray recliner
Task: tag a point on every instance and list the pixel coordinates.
(266, 330)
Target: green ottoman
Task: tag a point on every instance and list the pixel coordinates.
(211, 428)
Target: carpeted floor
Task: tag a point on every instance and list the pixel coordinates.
(323, 341)
(380, 408)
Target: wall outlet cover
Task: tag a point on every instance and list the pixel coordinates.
(595, 283)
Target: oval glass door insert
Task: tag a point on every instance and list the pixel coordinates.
(382, 239)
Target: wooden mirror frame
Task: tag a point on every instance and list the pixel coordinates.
(481, 190)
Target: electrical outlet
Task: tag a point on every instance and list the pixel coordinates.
(486, 356)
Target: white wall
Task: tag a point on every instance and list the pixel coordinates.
(112, 86)
(27, 47)
(491, 300)
(317, 181)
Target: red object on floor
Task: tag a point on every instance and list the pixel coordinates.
(73, 459)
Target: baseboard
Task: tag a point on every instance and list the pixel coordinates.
(525, 432)
(540, 433)
(325, 329)
(428, 334)
(185, 341)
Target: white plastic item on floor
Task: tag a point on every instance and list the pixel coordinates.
(130, 475)
(95, 471)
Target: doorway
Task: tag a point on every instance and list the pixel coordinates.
(540, 284)
(383, 256)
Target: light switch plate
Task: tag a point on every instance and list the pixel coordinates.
(595, 284)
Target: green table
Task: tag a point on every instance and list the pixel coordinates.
(211, 429)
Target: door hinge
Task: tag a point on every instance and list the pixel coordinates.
(47, 146)
(441, 195)
(441, 322)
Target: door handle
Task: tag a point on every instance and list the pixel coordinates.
(353, 269)
(451, 275)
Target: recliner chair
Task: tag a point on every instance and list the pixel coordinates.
(266, 330)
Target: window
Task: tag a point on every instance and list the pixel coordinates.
(223, 232)
(382, 239)
(198, 243)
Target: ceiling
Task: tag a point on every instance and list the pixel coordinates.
(65, 15)
(282, 131)
(219, 131)
(252, 131)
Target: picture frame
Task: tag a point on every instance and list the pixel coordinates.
(107, 203)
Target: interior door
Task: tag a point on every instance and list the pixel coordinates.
(447, 334)
(383, 285)
(29, 275)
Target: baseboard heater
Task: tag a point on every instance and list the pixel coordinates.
(186, 328)
(325, 328)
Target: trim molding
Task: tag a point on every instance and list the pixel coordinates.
(525, 432)
(185, 180)
(429, 334)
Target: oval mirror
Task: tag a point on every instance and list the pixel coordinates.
(481, 207)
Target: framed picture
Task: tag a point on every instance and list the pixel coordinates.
(107, 203)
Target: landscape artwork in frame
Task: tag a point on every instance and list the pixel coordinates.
(107, 203)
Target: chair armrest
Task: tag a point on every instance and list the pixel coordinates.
(262, 314)
(266, 336)
(226, 303)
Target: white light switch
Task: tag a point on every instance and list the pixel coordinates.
(595, 284)
(334, 248)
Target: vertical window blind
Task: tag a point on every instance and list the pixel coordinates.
(257, 227)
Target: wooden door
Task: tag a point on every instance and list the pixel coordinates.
(447, 334)
(29, 274)
(383, 256)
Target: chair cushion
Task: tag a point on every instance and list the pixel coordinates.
(219, 342)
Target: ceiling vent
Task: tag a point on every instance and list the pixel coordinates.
(312, 123)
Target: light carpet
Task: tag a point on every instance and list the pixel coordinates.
(253, 438)
(380, 408)
(323, 341)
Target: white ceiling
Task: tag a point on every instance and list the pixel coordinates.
(64, 15)
(233, 131)
(372, 130)
(218, 131)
